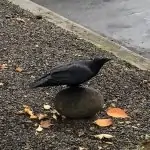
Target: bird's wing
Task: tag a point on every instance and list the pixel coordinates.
(71, 74)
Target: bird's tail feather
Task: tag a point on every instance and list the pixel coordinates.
(42, 82)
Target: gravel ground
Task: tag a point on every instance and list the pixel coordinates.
(36, 45)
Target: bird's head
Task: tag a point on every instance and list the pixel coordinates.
(97, 63)
(101, 60)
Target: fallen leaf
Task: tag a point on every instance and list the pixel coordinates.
(33, 117)
(45, 124)
(39, 129)
(41, 116)
(18, 69)
(3, 66)
(27, 109)
(101, 136)
(103, 122)
(46, 106)
(54, 116)
(116, 112)
(54, 111)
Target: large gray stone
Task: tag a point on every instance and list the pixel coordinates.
(78, 102)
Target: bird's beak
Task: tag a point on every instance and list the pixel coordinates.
(107, 59)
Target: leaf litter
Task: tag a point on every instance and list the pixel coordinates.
(46, 123)
(42, 117)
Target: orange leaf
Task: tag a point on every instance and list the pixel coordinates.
(33, 117)
(103, 122)
(27, 109)
(116, 112)
(45, 124)
(18, 69)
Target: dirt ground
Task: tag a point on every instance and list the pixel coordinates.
(36, 46)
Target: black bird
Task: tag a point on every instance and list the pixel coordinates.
(72, 74)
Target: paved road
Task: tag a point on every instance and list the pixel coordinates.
(127, 21)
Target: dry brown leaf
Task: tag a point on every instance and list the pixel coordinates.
(39, 129)
(18, 69)
(41, 116)
(27, 109)
(103, 122)
(116, 112)
(101, 136)
(3, 66)
(45, 124)
(33, 117)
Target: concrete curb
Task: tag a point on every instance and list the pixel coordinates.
(90, 36)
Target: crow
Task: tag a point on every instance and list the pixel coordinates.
(71, 74)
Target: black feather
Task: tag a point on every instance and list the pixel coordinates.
(71, 74)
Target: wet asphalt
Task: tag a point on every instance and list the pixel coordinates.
(126, 21)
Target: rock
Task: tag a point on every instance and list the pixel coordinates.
(78, 102)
